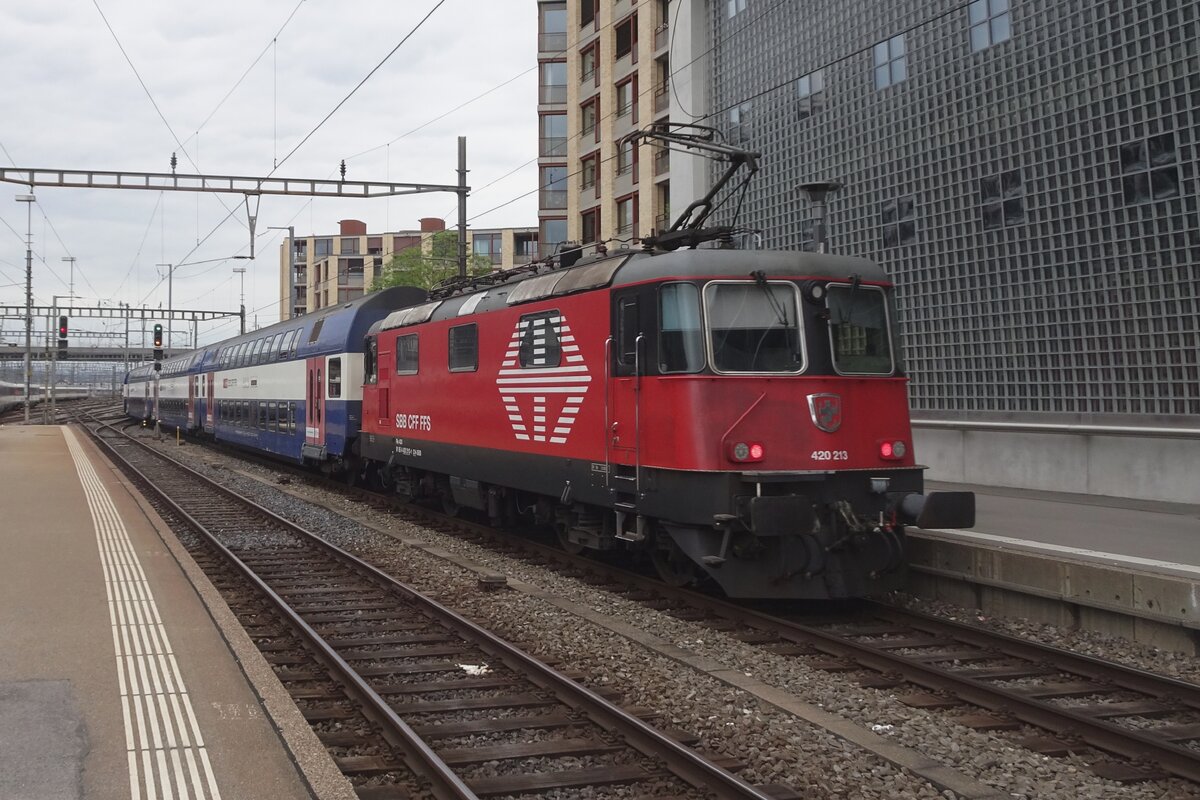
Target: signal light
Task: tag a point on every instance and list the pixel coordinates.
(62, 327)
(892, 450)
(747, 451)
(158, 336)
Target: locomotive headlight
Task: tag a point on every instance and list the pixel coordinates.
(747, 451)
(898, 449)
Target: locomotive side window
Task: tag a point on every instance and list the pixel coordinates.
(680, 338)
(540, 345)
(628, 328)
(858, 330)
(406, 355)
(335, 377)
(464, 348)
(371, 360)
(752, 326)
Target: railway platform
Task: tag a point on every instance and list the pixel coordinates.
(119, 677)
(1120, 566)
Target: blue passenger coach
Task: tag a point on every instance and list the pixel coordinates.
(293, 389)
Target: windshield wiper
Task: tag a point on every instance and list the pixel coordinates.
(760, 279)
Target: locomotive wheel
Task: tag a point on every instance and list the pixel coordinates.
(672, 564)
(564, 541)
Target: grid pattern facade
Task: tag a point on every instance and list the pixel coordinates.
(1051, 262)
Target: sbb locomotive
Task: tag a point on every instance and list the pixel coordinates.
(737, 417)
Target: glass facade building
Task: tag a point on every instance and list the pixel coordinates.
(1026, 170)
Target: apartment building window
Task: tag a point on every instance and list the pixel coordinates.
(553, 87)
(898, 220)
(553, 140)
(591, 225)
(322, 247)
(400, 243)
(891, 63)
(1001, 200)
(736, 7)
(587, 62)
(627, 216)
(349, 246)
(588, 11)
(553, 187)
(626, 36)
(489, 246)
(625, 96)
(589, 113)
(626, 156)
(552, 36)
(551, 234)
(1149, 169)
(374, 245)
(989, 21)
(589, 171)
(810, 89)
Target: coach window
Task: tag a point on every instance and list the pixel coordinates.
(268, 351)
(316, 330)
(858, 330)
(752, 326)
(464, 348)
(680, 338)
(540, 345)
(257, 350)
(406, 355)
(285, 346)
(335, 377)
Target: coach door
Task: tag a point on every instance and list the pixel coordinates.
(191, 408)
(210, 403)
(314, 405)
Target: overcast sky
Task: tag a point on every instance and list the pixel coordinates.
(71, 100)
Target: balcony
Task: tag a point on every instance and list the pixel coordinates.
(662, 162)
(552, 146)
(628, 231)
(662, 98)
(552, 198)
(552, 42)
(662, 222)
(554, 93)
(662, 36)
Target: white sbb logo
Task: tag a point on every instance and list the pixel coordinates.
(537, 392)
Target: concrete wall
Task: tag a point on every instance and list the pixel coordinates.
(1148, 467)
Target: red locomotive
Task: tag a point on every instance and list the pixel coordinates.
(736, 415)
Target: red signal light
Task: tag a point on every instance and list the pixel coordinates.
(893, 450)
(62, 327)
(885, 449)
(756, 452)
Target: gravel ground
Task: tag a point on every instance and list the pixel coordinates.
(777, 747)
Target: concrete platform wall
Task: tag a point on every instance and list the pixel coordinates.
(1148, 468)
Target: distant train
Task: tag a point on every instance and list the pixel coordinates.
(737, 417)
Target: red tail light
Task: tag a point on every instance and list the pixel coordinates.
(744, 452)
(892, 450)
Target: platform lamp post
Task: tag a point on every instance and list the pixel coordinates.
(29, 199)
(817, 192)
(241, 273)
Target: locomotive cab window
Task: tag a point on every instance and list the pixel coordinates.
(858, 330)
(540, 345)
(753, 326)
(406, 354)
(680, 336)
(464, 348)
(335, 377)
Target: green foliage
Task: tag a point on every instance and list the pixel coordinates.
(414, 266)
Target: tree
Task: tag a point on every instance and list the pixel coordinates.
(414, 266)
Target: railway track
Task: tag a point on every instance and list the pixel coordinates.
(1053, 701)
(411, 698)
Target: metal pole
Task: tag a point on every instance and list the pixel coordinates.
(53, 361)
(28, 199)
(241, 272)
(462, 206)
(71, 285)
